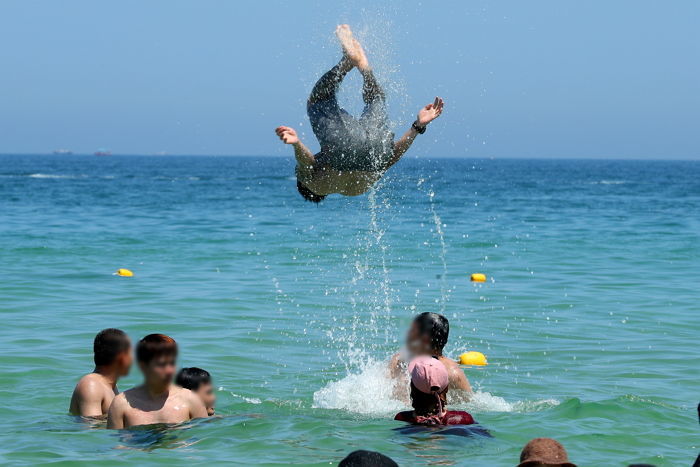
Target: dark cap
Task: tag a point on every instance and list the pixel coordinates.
(363, 458)
(544, 451)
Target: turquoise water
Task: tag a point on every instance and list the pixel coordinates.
(589, 318)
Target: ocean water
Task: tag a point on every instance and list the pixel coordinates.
(589, 318)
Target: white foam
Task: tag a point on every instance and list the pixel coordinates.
(40, 175)
(372, 391)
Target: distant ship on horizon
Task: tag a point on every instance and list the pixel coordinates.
(103, 152)
(63, 152)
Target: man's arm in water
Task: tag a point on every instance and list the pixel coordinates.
(425, 115)
(115, 416)
(458, 380)
(87, 398)
(305, 159)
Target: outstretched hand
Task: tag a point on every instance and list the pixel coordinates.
(288, 135)
(430, 112)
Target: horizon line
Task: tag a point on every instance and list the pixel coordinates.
(279, 156)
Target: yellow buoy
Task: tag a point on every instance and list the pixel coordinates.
(478, 277)
(124, 272)
(473, 358)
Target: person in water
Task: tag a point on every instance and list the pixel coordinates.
(355, 152)
(157, 400)
(429, 384)
(362, 458)
(544, 452)
(95, 391)
(199, 382)
(428, 335)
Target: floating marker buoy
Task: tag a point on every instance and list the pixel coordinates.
(478, 277)
(124, 272)
(473, 358)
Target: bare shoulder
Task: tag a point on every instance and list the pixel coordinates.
(120, 400)
(90, 384)
(451, 365)
(185, 394)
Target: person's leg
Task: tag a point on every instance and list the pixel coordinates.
(371, 91)
(327, 85)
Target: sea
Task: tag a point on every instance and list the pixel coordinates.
(589, 317)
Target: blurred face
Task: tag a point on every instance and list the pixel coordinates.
(124, 361)
(160, 371)
(206, 393)
(416, 343)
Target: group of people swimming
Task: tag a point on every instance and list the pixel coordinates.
(157, 400)
(423, 375)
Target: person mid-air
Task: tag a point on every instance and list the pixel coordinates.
(355, 152)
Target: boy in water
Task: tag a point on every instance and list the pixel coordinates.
(428, 336)
(199, 382)
(355, 153)
(429, 383)
(94, 392)
(157, 400)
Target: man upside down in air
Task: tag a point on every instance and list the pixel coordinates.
(355, 152)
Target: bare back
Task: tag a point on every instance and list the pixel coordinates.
(137, 407)
(92, 396)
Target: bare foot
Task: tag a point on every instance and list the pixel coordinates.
(351, 47)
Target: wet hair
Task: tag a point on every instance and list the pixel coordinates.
(192, 378)
(436, 326)
(154, 346)
(426, 404)
(309, 195)
(108, 344)
(362, 458)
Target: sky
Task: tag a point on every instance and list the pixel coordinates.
(543, 78)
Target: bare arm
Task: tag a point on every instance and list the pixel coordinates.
(115, 415)
(426, 115)
(458, 380)
(197, 408)
(87, 398)
(305, 159)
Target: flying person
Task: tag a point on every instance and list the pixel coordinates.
(355, 152)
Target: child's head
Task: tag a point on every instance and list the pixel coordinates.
(428, 334)
(429, 381)
(199, 382)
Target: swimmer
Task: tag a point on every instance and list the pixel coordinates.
(429, 383)
(157, 400)
(355, 152)
(428, 336)
(94, 392)
(199, 382)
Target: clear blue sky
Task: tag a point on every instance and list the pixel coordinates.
(521, 79)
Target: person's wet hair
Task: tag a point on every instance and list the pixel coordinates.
(436, 326)
(309, 195)
(362, 458)
(154, 346)
(108, 344)
(426, 404)
(192, 378)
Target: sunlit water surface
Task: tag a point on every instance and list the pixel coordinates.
(589, 318)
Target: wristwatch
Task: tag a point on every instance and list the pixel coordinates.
(419, 130)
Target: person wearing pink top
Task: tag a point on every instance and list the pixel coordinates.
(429, 382)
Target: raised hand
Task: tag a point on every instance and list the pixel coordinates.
(287, 134)
(430, 112)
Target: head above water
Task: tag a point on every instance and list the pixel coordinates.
(429, 382)
(362, 458)
(112, 348)
(544, 452)
(199, 382)
(309, 195)
(157, 355)
(428, 334)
